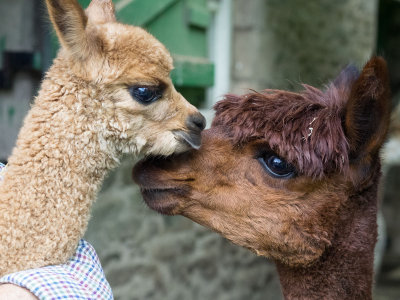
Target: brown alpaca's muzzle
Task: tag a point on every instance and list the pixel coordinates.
(171, 185)
(162, 192)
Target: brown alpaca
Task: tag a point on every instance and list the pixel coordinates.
(291, 176)
(107, 93)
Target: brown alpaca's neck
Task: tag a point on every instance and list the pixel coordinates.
(345, 270)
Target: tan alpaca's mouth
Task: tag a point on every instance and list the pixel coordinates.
(195, 124)
(193, 139)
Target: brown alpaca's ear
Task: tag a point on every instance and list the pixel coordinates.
(368, 112)
(69, 21)
(101, 11)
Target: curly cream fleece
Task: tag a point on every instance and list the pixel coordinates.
(80, 124)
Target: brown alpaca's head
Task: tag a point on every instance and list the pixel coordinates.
(122, 76)
(276, 168)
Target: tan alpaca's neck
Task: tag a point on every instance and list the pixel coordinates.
(345, 270)
(58, 139)
(52, 177)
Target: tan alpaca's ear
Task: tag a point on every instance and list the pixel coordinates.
(101, 11)
(368, 111)
(69, 21)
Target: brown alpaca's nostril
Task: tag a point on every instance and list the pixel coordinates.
(196, 122)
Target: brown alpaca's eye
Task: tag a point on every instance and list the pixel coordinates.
(145, 94)
(277, 167)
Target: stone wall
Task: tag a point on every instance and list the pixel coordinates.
(280, 43)
(391, 171)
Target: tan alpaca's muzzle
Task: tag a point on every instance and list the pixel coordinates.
(195, 124)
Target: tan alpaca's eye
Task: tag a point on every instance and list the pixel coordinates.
(276, 166)
(146, 94)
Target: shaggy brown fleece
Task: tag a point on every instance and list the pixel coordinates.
(83, 120)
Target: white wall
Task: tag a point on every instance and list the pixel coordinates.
(220, 35)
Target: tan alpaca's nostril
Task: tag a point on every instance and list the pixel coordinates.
(196, 122)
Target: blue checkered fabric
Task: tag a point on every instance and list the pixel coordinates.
(82, 277)
(2, 169)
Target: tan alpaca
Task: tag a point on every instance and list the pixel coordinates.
(108, 93)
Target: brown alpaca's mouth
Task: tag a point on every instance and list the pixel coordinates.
(160, 191)
(163, 200)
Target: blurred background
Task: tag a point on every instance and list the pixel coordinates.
(218, 46)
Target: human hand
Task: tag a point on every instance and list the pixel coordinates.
(13, 292)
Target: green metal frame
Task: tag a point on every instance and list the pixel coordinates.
(149, 10)
(191, 72)
(2, 48)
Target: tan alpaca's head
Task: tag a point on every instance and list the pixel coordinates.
(122, 75)
(278, 171)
